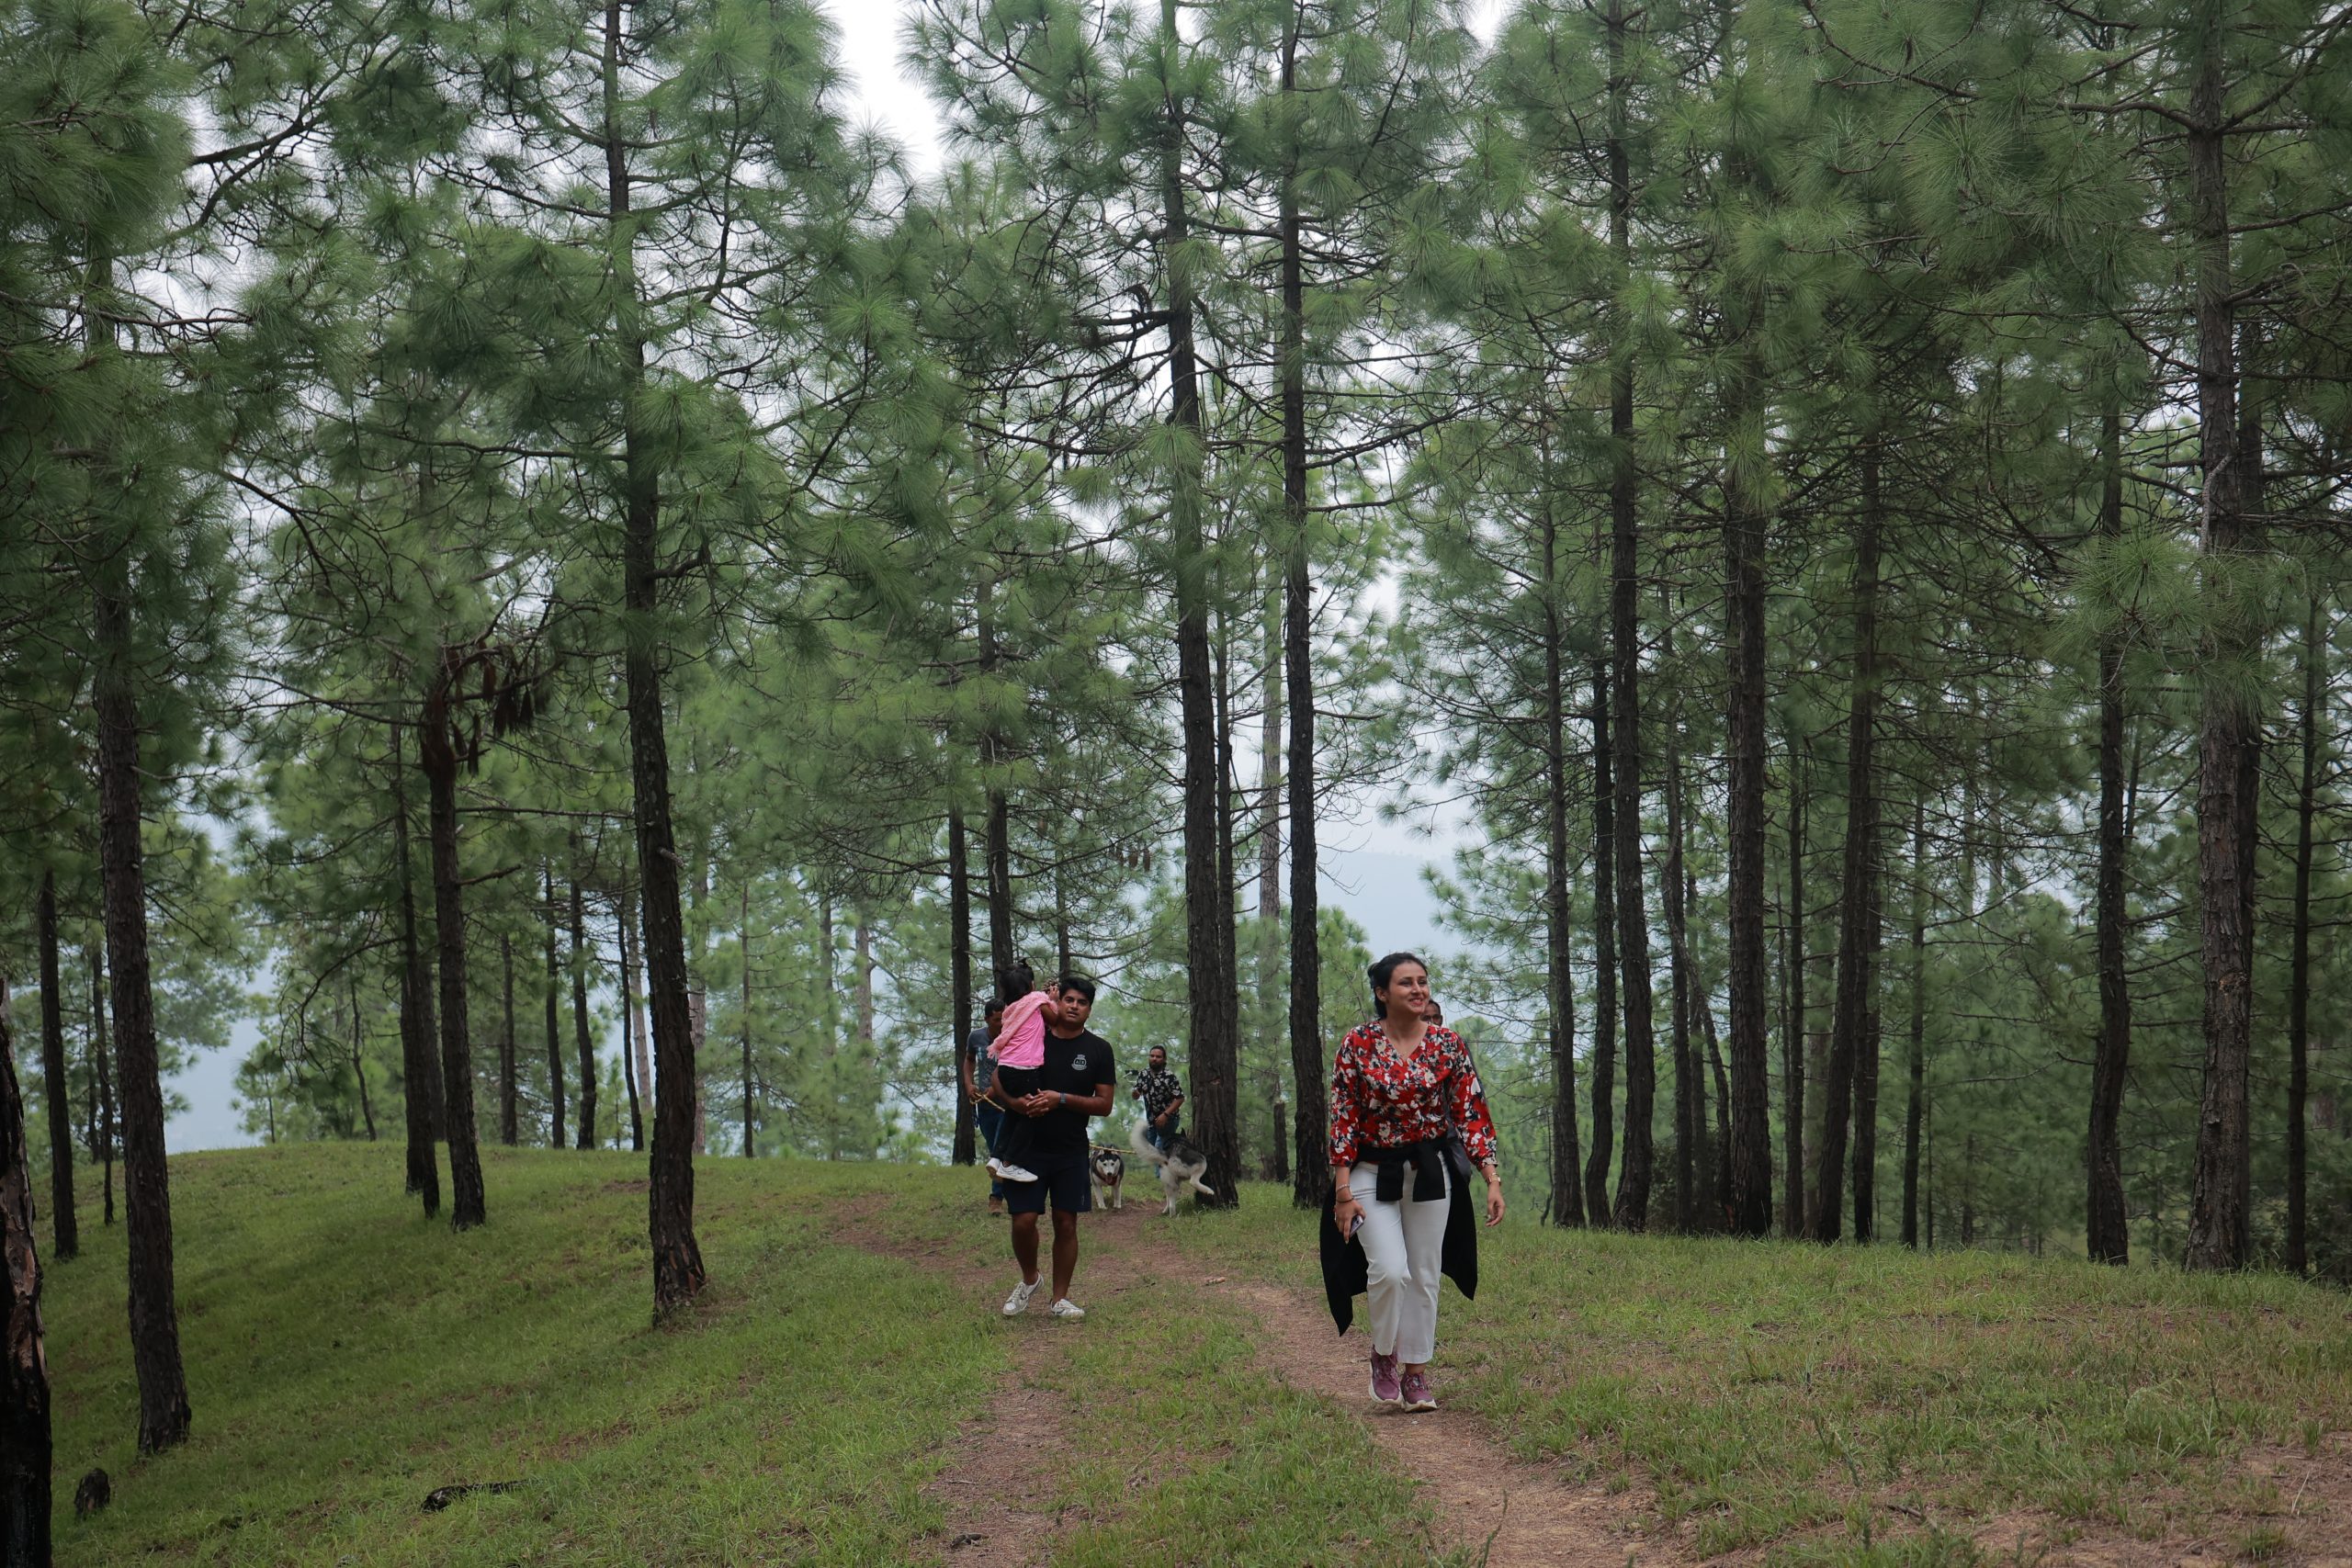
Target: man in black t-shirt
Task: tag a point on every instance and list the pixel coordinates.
(1077, 1078)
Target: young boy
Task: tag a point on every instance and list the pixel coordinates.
(1020, 1058)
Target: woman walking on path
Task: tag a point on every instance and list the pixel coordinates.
(1407, 1107)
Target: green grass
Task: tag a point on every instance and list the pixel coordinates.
(1857, 1404)
(346, 1357)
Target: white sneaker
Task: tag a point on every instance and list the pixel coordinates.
(1004, 1172)
(1018, 1302)
(1066, 1307)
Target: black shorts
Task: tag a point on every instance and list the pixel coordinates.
(1063, 1177)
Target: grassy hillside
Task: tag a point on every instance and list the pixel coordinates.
(1772, 1402)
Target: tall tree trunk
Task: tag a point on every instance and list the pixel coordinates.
(633, 1063)
(1567, 1206)
(581, 1037)
(1605, 971)
(554, 1015)
(959, 983)
(2299, 971)
(2220, 1197)
(25, 1441)
(101, 1059)
(420, 1074)
(697, 988)
(996, 831)
(2107, 1220)
(1718, 1185)
(437, 760)
(52, 1071)
(509, 1124)
(1915, 1109)
(358, 1058)
(1690, 1162)
(1792, 1198)
(1311, 1172)
(830, 1012)
(743, 940)
(1851, 1091)
(1748, 1169)
(154, 1313)
(1628, 922)
(678, 1274)
(1208, 908)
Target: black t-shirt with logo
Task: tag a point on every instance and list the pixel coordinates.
(1072, 1066)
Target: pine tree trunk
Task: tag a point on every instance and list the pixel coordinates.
(2105, 1219)
(959, 983)
(996, 831)
(1851, 1091)
(581, 1037)
(101, 1057)
(678, 1274)
(1792, 1042)
(1689, 1093)
(633, 1064)
(68, 1240)
(437, 760)
(1567, 1205)
(2299, 973)
(25, 1438)
(509, 1124)
(1748, 1168)
(154, 1313)
(697, 988)
(744, 941)
(1311, 1171)
(1208, 908)
(2220, 1197)
(830, 1011)
(1915, 1109)
(1629, 924)
(1605, 969)
(554, 1009)
(358, 1058)
(420, 1074)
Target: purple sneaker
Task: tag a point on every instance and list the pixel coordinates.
(1383, 1378)
(1418, 1397)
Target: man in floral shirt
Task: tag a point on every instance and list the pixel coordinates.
(1162, 1096)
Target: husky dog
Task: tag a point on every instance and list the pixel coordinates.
(1110, 1166)
(1180, 1165)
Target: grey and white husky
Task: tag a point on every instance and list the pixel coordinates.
(1180, 1165)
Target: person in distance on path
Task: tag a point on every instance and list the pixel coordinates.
(1075, 1082)
(1162, 1097)
(1408, 1124)
(980, 1074)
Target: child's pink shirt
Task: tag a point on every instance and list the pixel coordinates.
(1022, 1042)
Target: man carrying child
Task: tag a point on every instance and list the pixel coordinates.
(1049, 1089)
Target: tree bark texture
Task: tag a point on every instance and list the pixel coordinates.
(959, 983)
(553, 1006)
(2109, 1236)
(2220, 1194)
(68, 1240)
(2299, 963)
(1567, 1205)
(1915, 1107)
(154, 1313)
(437, 760)
(1748, 1173)
(1605, 971)
(510, 1132)
(678, 1274)
(1689, 1091)
(1793, 1053)
(25, 1439)
(420, 1074)
(1214, 1099)
(581, 1036)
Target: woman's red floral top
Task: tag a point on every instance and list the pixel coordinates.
(1380, 1099)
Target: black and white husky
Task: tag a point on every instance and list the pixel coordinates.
(1110, 1168)
(1180, 1165)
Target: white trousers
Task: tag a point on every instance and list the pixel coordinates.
(1404, 1243)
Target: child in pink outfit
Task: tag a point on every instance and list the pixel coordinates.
(1019, 1061)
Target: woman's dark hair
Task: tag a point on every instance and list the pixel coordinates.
(1382, 971)
(1015, 979)
(1080, 984)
